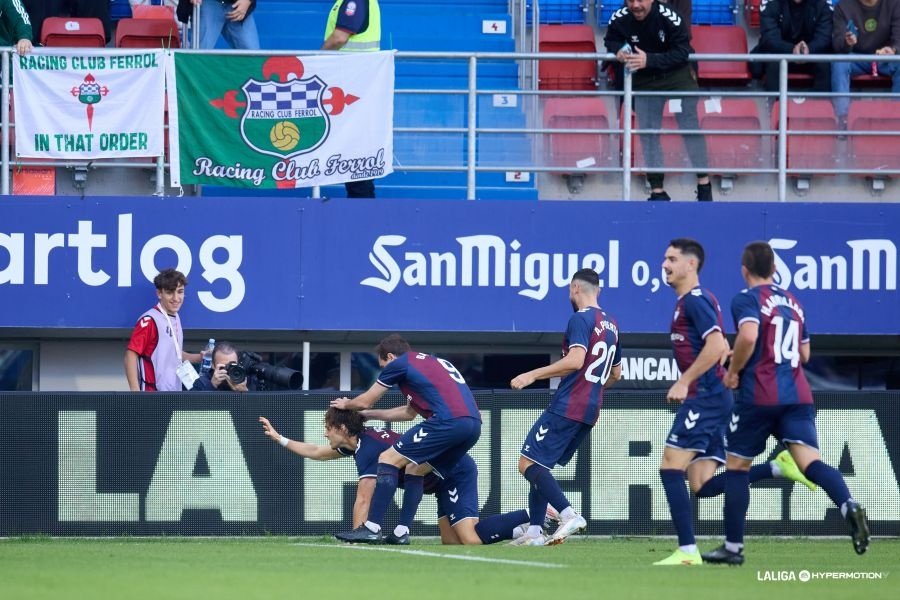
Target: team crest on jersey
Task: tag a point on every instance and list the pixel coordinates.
(662, 36)
(351, 9)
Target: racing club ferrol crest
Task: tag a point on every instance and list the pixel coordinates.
(284, 119)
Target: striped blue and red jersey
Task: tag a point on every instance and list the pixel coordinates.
(580, 393)
(370, 443)
(432, 386)
(697, 314)
(773, 375)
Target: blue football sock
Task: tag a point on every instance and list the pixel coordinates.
(679, 505)
(716, 485)
(537, 507)
(737, 500)
(543, 480)
(500, 527)
(830, 480)
(412, 496)
(385, 486)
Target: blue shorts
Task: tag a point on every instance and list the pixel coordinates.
(751, 425)
(457, 494)
(440, 443)
(699, 425)
(553, 439)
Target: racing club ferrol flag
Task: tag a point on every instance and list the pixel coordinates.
(80, 103)
(280, 121)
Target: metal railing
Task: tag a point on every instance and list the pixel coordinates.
(472, 132)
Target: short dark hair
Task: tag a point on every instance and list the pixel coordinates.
(224, 347)
(692, 247)
(351, 419)
(169, 280)
(759, 258)
(589, 276)
(392, 344)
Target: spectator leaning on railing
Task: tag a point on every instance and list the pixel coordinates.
(15, 26)
(864, 27)
(796, 27)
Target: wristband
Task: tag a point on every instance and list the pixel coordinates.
(284, 441)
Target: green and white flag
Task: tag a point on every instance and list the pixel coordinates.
(80, 103)
(266, 122)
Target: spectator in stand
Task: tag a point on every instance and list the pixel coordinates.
(864, 27)
(233, 19)
(796, 27)
(15, 26)
(41, 9)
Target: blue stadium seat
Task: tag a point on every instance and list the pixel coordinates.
(559, 11)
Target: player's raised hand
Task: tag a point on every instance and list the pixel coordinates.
(521, 381)
(340, 403)
(677, 393)
(269, 430)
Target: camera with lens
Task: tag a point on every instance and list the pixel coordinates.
(269, 376)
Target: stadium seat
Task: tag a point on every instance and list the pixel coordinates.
(874, 153)
(152, 11)
(726, 152)
(577, 149)
(147, 33)
(808, 151)
(723, 39)
(752, 9)
(559, 11)
(567, 74)
(69, 32)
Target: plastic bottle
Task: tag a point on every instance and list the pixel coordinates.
(206, 362)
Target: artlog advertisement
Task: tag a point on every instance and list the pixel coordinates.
(75, 103)
(280, 122)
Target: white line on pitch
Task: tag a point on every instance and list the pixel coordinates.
(505, 561)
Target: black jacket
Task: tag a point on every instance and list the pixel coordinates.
(784, 23)
(664, 35)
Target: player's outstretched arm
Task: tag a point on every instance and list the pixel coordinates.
(569, 363)
(304, 449)
(365, 489)
(391, 415)
(365, 400)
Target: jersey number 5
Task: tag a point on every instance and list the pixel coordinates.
(603, 363)
(787, 342)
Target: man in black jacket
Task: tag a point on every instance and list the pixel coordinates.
(796, 27)
(653, 42)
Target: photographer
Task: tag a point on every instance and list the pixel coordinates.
(224, 377)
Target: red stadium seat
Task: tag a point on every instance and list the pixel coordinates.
(147, 33)
(577, 149)
(731, 151)
(66, 32)
(809, 151)
(720, 39)
(876, 152)
(567, 74)
(151, 11)
(752, 9)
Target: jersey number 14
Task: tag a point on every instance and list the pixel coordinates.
(787, 341)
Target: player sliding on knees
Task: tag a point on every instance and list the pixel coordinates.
(457, 494)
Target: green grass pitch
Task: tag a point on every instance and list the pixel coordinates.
(284, 568)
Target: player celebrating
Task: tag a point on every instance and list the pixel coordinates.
(773, 399)
(457, 494)
(695, 443)
(591, 361)
(438, 392)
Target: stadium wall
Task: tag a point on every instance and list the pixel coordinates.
(199, 464)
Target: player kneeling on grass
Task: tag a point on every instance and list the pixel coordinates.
(457, 494)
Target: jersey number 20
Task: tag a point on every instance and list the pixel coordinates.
(604, 359)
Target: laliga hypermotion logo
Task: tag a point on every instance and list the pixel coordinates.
(284, 114)
(89, 92)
